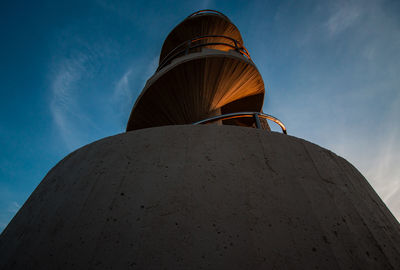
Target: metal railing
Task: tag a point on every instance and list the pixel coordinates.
(197, 42)
(255, 115)
(208, 11)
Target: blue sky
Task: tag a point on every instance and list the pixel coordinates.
(70, 72)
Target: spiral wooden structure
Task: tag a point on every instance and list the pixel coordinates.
(204, 71)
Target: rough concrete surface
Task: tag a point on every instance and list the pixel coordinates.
(202, 197)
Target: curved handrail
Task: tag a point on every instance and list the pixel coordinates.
(187, 45)
(211, 11)
(256, 115)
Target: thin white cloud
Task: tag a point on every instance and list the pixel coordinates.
(134, 76)
(343, 16)
(122, 89)
(123, 96)
(68, 72)
(206, 4)
(384, 173)
(129, 86)
(14, 207)
(68, 115)
(152, 66)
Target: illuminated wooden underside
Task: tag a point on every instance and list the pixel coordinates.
(200, 25)
(198, 87)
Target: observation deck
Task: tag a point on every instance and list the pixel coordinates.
(204, 71)
(201, 23)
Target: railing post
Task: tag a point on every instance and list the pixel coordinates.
(257, 120)
(236, 46)
(188, 47)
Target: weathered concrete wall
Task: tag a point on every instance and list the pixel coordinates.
(202, 197)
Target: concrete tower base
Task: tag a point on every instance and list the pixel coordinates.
(202, 197)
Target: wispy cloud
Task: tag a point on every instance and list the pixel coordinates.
(129, 86)
(206, 4)
(67, 113)
(123, 95)
(62, 104)
(10, 209)
(122, 89)
(14, 207)
(343, 16)
(384, 172)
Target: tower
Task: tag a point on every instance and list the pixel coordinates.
(199, 181)
(204, 72)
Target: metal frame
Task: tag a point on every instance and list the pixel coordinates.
(209, 11)
(255, 115)
(187, 45)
